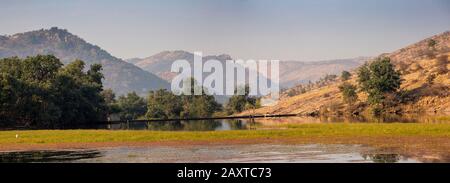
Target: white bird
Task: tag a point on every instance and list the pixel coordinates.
(17, 136)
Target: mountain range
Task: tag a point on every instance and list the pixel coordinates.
(153, 72)
(291, 72)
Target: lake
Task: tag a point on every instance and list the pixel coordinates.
(258, 153)
(251, 124)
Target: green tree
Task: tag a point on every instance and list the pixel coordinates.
(39, 92)
(131, 106)
(81, 93)
(239, 103)
(198, 105)
(378, 79)
(349, 93)
(162, 104)
(110, 100)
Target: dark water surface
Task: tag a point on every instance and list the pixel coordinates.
(250, 124)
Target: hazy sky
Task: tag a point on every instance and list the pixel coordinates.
(248, 29)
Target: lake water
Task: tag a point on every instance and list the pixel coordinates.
(262, 153)
(197, 125)
(249, 124)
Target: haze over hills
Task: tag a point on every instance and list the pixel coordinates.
(297, 72)
(119, 75)
(426, 83)
(161, 63)
(291, 72)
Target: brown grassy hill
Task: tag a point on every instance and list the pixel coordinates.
(426, 84)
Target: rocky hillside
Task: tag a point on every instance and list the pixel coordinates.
(120, 76)
(426, 83)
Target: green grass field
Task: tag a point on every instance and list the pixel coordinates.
(297, 131)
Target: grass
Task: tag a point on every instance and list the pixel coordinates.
(292, 132)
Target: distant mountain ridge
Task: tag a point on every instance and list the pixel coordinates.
(120, 76)
(291, 72)
(161, 63)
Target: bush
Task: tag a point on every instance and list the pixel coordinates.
(349, 93)
(345, 75)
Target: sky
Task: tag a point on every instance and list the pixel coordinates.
(304, 30)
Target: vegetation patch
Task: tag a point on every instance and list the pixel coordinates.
(291, 131)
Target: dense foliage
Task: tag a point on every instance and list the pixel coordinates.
(163, 104)
(349, 93)
(239, 103)
(379, 79)
(39, 92)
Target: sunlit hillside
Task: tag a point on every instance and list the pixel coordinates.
(425, 87)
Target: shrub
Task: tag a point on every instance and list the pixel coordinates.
(345, 75)
(349, 93)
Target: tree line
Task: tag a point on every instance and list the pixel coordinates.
(163, 104)
(40, 92)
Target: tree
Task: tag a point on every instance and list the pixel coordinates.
(349, 93)
(83, 102)
(110, 100)
(378, 79)
(39, 92)
(162, 104)
(198, 105)
(345, 75)
(131, 106)
(239, 103)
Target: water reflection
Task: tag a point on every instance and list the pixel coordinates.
(46, 156)
(356, 119)
(197, 125)
(257, 153)
(246, 124)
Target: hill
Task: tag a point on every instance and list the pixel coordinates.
(161, 63)
(291, 72)
(298, 72)
(119, 75)
(426, 84)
